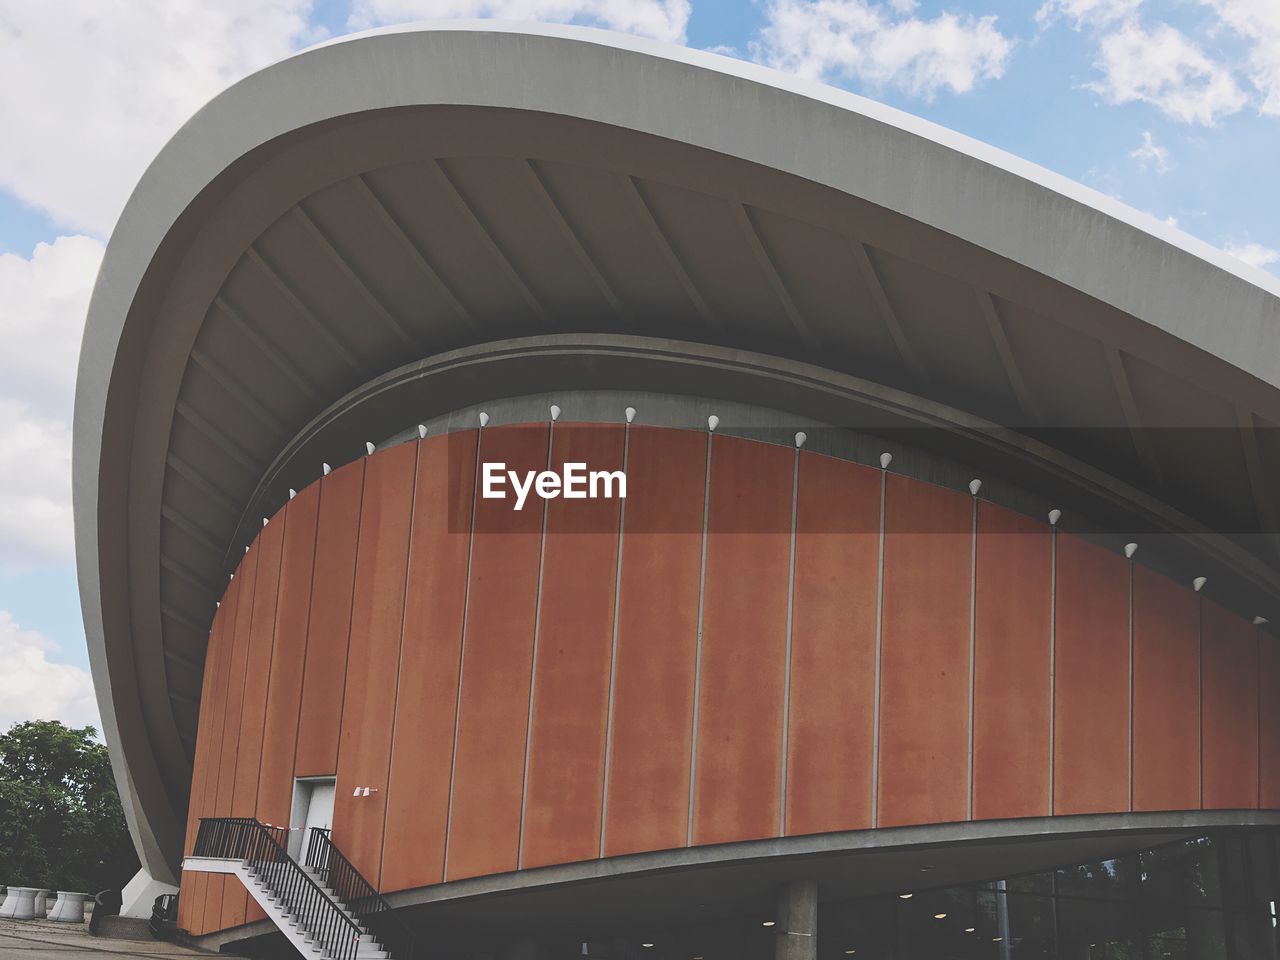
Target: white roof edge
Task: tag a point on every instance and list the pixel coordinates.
(845, 100)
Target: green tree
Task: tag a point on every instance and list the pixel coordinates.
(61, 825)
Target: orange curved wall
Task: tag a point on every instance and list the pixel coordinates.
(841, 650)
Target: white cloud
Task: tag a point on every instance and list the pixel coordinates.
(1091, 12)
(41, 320)
(93, 89)
(1150, 155)
(32, 687)
(1254, 254)
(660, 19)
(1258, 21)
(1163, 67)
(35, 489)
(882, 45)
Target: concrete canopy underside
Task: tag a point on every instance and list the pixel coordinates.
(392, 197)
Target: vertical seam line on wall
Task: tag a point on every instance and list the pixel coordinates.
(786, 676)
(1257, 646)
(244, 677)
(462, 656)
(244, 682)
(1200, 697)
(613, 647)
(351, 607)
(875, 709)
(271, 663)
(697, 649)
(211, 802)
(1131, 680)
(1053, 665)
(395, 701)
(973, 642)
(306, 641)
(533, 656)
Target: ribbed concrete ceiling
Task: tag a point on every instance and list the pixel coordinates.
(407, 260)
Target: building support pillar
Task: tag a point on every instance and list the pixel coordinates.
(797, 920)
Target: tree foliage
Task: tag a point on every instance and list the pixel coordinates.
(61, 825)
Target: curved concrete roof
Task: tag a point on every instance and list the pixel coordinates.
(402, 193)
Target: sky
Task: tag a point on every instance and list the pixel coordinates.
(1171, 106)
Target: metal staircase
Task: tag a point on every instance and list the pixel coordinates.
(325, 908)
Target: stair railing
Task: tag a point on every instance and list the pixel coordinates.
(264, 849)
(361, 898)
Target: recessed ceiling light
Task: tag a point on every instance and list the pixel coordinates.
(996, 939)
(905, 896)
(646, 944)
(939, 916)
(968, 929)
(926, 868)
(850, 953)
(767, 923)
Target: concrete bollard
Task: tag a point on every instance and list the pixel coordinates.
(20, 904)
(69, 907)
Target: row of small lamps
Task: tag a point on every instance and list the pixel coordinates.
(713, 421)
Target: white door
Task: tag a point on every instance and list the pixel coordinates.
(320, 805)
(312, 807)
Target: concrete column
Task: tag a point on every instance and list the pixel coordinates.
(797, 921)
(20, 904)
(69, 907)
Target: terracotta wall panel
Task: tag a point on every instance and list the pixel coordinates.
(422, 747)
(221, 889)
(1166, 693)
(1269, 721)
(564, 785)
(648, 793)
(369, 609)
(924, 680)
(244, 798)
(1230, 717)
(484, 831)
(324, 676)
(1011, 717)
(193, 886)
(1091, 697)
(288, 658)
(737, 771)
(373, 657)
(833, 646)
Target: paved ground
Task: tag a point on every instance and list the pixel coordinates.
(42, 940)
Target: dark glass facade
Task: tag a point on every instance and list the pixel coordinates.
(1213, 897)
